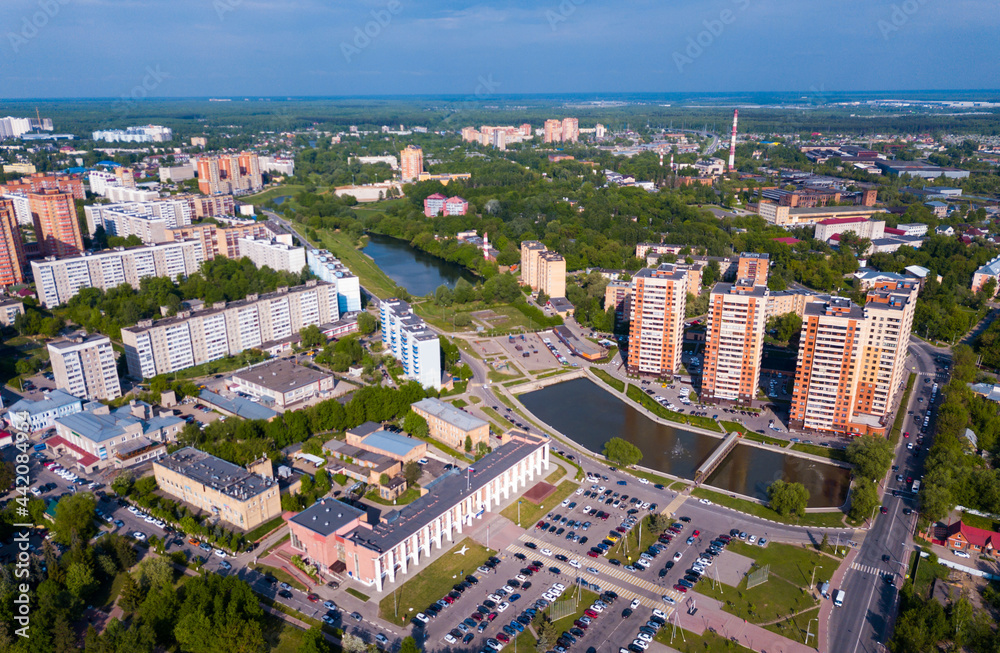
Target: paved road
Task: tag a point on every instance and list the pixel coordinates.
(865, 621)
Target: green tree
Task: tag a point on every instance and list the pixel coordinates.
(788, 498)
(80, 580)
(468, 443)
(409, 645)
(384, 479)
(367, 324)
(75, 518)
(313, 641)
(871, 456)
(352, 644)
(312, 337)
(7, 475)
(412, 472)
(130, 597)
(864, 499)
(416, 425)
(622, 452)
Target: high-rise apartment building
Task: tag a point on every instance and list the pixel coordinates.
(257, 322)
(217, 240)
(753, 266)
(59, 280)
(543, 270)
(85, 367)
(553, 131)
(411, 163)
(570, 130)
(411, 342)
(851, 361)
(618, 295)
(734, 341)
(330, 269)
(656, 333)
(56, 227)
(12, 259)
(274, 253)
(229, 173)
(147, 220)
(38, 183)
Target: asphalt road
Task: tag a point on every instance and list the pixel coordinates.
(866, 618)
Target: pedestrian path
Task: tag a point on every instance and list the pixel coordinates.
(675, 505)
(604, 570)
(868, 569)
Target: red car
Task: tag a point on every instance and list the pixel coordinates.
(906, 435)
(621, 529)
(503, 637)
(448, 600)
(592, 554)
(884, 510)
(909, 479)
(580, 624)
(314, 598)
(681, 589)
(696, 533)
(590, 613)
(491, 616)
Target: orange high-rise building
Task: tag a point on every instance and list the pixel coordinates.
(734, 341)
(570, 130)
(753, 266)
(39, 182)
(209, 175)
(12, 259)
(553, 131)
(656, 334)
(411, 162)
(56, 226)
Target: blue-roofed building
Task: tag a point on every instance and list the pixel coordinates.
(398, 446)
(99, 436)
(26, 415)
(237, 406)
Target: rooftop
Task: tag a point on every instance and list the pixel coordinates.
(396, 444)
(238, 406)
(281, 375)
(454, 416)
(327, 516)
(364, 429)
(221, 475)
(98, 426)
(53, 401)
(448, 490)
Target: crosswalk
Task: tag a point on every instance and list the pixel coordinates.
(675, 504)
(868, 569)
(605, 572)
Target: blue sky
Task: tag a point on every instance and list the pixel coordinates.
(104, 48)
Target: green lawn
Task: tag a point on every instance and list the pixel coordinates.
(833, 518)
(496, 376)
(617, 384)
(556, 373)
(635, 545)
(897, 424)
(531, 513)
(687, 642)
(579, 470)
(925, 574)
(793, 563)
(281, 637)
(372, 277)
(586, 599)
(757, 437)
(264, 529)
(459, 403)
(358, 595)
(411, 495)
(825, 452)
(271, 193)
(282, 576)
(556, 474)
(432, 582)
(795, 628)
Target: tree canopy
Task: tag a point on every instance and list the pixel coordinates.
(622, 452)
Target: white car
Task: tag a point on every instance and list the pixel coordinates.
(422, 618)
(220, 553)
(564, 503)
(575, 564)
(559, 586)
(705, 502)
(503, 606)
(546, 552)
(593, 570)
(601, 489)
(133, 509)
(659, 614)
(597, 608)
(634, 604)
(139, 535)
(587, 509)
(677, 556)
(668, 600)
(752, 539)
(646, 637)
(508, 589)
(422, 461)
(961, 554)
(448, 638)
(644, 481)
(645, 505)
(641, 644)
(520, 578)
(493, 597)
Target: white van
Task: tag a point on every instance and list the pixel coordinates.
(838, 598)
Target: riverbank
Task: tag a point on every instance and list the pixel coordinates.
(348, 250)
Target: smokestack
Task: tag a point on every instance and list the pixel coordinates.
(732, 143)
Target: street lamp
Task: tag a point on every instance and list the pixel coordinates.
(519, 512)
(809, 629)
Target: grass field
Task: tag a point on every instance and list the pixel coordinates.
(432, 582)
(531, 513)
(272, 193)
(358, 595)
(647, 402)
(687, 642)
(617, 384)
(834, 518)
(281, 637)
(825, 452)
(796, 627)
(757, 437)
(556, 474)
(635, 545)
(282, 576)
(785, 592)
(585, 600)
(372, 277)
(411, 495)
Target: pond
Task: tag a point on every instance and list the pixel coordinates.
(591, 416)
(417, 271)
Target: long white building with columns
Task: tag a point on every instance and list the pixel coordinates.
(332, 533)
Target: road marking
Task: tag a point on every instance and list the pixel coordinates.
(868, 569)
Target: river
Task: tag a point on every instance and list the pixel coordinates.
(591, 416)
(417, 271)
